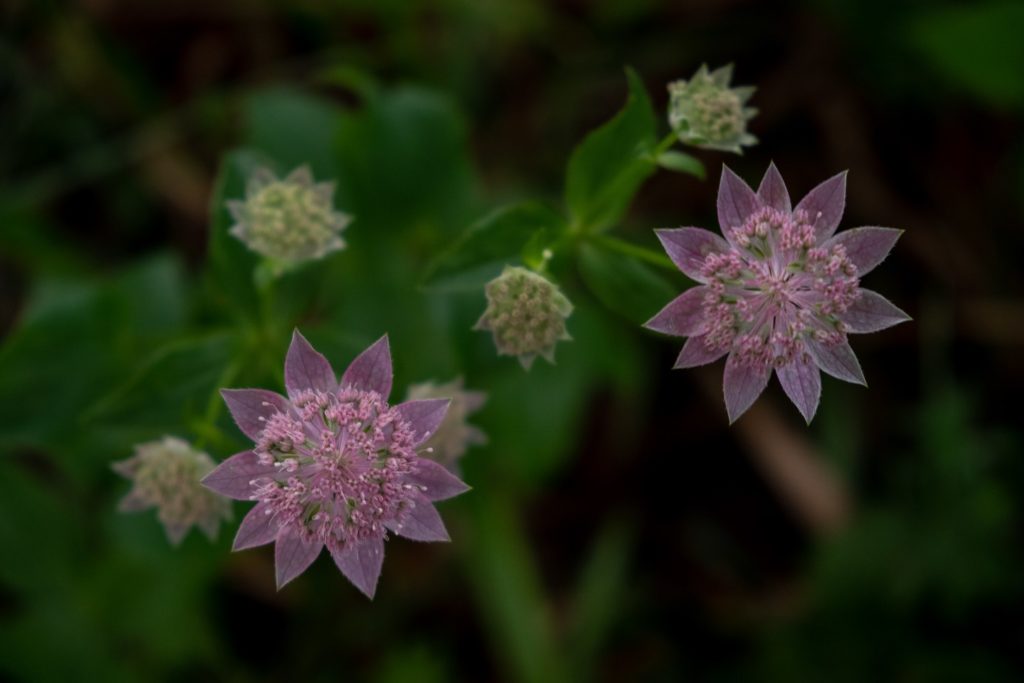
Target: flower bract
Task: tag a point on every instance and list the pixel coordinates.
(455, 434)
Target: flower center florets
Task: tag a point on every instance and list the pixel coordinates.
(525, 312)
(168, 475)
(340, 460)
(287, 220)
(774, 290)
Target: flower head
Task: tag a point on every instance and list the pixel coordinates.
(288, 221)
(526, 314)
(334, 465)
(455, 434)
(165, 474)
(705, 112)
(781, 292)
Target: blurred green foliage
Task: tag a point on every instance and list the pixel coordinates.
(571, 559)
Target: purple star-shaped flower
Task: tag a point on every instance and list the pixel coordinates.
(781, 291)
(334, 465)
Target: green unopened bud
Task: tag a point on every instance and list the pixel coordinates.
(705, 112)
(288, 221)
(165, 474)
(526, 314)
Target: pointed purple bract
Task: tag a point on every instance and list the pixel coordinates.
(780, 295)
(423, 524)
(371, 370)
(335, 465)
(434, 480)
(258, 528)
(801, 380)
(838, 360)
(872, 312)
(425, 416)
(742, 384)
(824, 206)
(361, 564)
(866, 247)
(683, 316)
(696, 352)
(772, 191)
(251, 408)
(293, 555)
(306, 368)
(453, 437)
(688, 247)
(233, 477)
(736, 202)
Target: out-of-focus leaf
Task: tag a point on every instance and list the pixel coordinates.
(293, 128)
(598, 594)
(27, 240)
(231, 263)
(497, 239)
(681, 162)
(977, 46)
(51, 562)
(175, 382)
(359, 81)
(509, 592)
(607, 168)
(420, 663)
(154, 295)
(624, 284)
(73, 342)
(403, 164)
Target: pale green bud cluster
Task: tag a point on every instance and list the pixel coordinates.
(705, 112)
(288, 221)
(526, 314)
(451, 439)
(165, 474)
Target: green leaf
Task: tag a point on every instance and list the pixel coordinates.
(404, 163)
(624, 284)
(497, 239)
(509, 591)
(175, 382)
(231, 263)
(293, 128)
(977, 47)
(682, 163)
(608, 167)
(75, 339)
(598, 594)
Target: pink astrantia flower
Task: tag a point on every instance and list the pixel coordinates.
(334, 465)
(781, 291)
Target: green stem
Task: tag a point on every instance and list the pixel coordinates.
(635, 251)
(666, 144)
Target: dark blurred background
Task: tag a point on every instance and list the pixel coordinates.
(618, 529)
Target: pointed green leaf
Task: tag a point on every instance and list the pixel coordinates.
(608, 167)
(624, 284)
(497, 239)
(682, 163)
